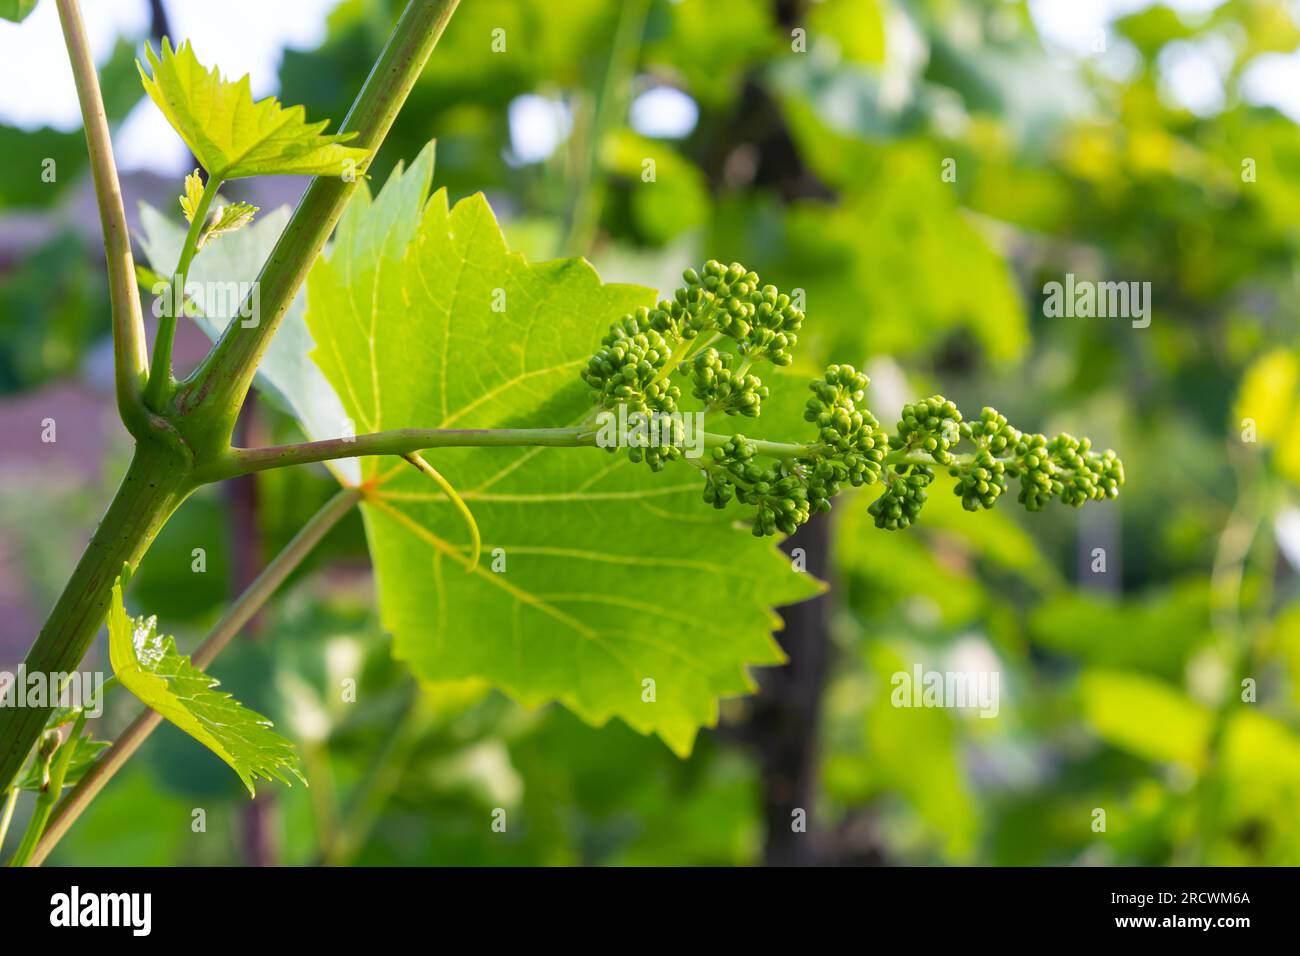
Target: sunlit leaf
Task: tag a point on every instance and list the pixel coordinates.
(231, 135)
(1268, 406)
(150, 667)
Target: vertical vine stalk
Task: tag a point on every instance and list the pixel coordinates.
(594, 123)
(1238, 543)
(7, 814)
(129, 354)
(381, 781)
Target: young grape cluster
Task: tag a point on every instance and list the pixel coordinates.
(779, 494)
(1063, 467)
(720, 303)
(723, 321)
(721, 385)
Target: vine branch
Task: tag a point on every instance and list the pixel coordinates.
(129, 355)
(200, 418)
(249, 603)
(213, 395)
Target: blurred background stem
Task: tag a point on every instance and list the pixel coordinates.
(1246, 544)
(381, 781)
(594, 118)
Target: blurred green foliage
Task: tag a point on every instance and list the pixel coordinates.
(51, 306)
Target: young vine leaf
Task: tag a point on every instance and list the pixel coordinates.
(193, 193)
(150, 667)
(602, 585)
(231, 135)
(225, 220)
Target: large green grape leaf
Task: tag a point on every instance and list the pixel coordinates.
(149, 666)
(232, 136)
(597, 575)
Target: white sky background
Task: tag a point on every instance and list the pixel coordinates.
(1192, 71)
(249, 36)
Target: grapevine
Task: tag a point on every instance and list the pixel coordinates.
(703, 351)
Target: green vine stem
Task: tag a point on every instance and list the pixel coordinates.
(160, 369)
(1238, 636)
(155, 484)
(249, 603)
(400, 442)
(128, 321)
(50, 793)
(198, 423)
(596, 120)
(7, 814)
(381, 781)
(405, 441)
(211, 398)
